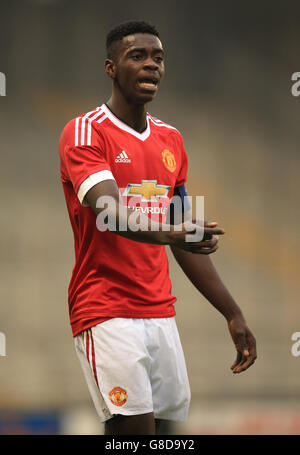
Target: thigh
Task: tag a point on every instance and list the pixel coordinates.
(137, 424)
(163, 427)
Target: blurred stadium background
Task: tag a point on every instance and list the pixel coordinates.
(227, 89)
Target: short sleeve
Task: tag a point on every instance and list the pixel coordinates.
(84, 166)
(82, 162)
(182, 174)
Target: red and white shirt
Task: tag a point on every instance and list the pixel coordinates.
(114, 276)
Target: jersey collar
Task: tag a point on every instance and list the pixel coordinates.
(142, 136)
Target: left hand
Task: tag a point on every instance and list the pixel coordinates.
(245, 344)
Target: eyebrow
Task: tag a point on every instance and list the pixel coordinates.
(157, 50)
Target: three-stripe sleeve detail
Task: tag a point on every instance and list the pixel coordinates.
(83, 127)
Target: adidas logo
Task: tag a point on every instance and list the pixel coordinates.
(123, 158)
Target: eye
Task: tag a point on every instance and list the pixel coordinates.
(137, 57)
(159, 59)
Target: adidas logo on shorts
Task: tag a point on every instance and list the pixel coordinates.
(123, 158)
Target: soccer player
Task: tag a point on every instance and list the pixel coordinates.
(118, 164)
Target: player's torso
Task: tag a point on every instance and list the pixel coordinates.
(145, 165)
(112, 271)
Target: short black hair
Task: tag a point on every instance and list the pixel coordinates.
(127, 28)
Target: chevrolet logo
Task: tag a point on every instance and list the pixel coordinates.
(148, 190)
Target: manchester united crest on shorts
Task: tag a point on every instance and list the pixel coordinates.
(169, 160)
(118, 396)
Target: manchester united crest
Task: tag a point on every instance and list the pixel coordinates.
(169, 160)
(118, 396)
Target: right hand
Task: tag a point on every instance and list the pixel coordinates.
(209, 243)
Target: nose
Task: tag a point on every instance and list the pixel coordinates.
(150, 64)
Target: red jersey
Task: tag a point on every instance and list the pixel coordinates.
(114, 276)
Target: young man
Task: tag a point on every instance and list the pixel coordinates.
(119, 162)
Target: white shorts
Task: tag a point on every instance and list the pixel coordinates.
(135, 366)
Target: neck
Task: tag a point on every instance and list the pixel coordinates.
(134, 115)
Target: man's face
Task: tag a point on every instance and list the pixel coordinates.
(139, 67)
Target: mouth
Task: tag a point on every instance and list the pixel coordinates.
(148, 83)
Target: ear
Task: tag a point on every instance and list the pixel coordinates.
(110, 68)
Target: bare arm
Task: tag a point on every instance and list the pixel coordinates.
(202, 273)
(148, 231)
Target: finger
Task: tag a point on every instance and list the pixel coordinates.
(200, 250)
(252, 354)
(246, 346)
(206, 244)
(210, 224)
(206, 223)
(238, 367)
(209, 228)
(244, 366)
(245, 363)
(237, 360)
(241, 343)
(214, 231)
(203, 245)
(205, 250)
(252, 346)
(250, 350)
(198, 221)
(210, 236)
